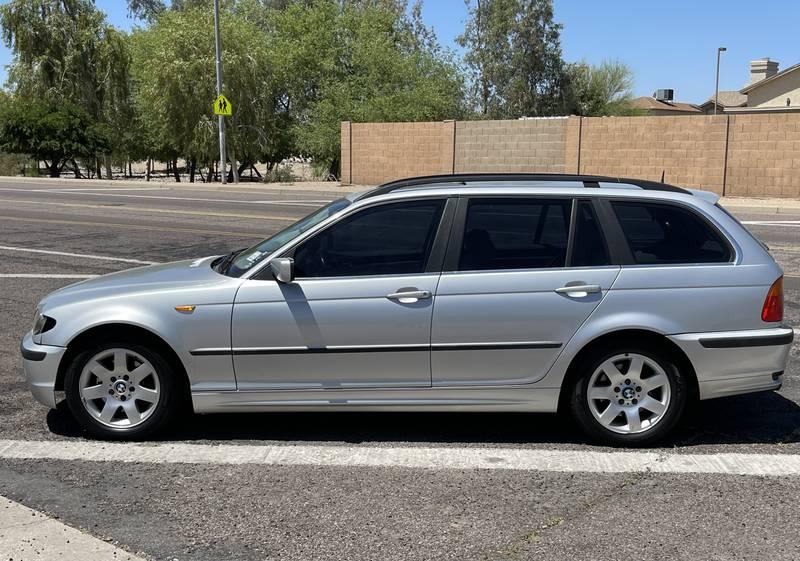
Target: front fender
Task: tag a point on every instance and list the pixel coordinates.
(207, 326)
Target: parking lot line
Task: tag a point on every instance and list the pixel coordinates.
(789, 223)
(158, 228)
(28, 534)
(43, 276)
(279, 202)
(203, 213)
(80, 255)
(570, 461)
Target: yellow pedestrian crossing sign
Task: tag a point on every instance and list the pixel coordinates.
(223, 107)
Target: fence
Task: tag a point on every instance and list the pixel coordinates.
(754, 155)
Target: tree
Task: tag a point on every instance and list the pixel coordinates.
(147, 10)
(514, 57)
(357, 60)
(66, 52)
(174, 80)
(602, 90)
(55, 134)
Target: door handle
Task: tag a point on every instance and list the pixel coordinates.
(409, 296)
(578, 290)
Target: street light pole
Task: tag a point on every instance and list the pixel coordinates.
(720, 50)
(221, 119)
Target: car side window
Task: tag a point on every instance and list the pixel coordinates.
(667, 234)
(515, 233)
(590, 249)
(390, 239)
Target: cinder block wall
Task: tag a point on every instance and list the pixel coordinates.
(764, 156)
(381, 152)
(689, 150)
(738, 155)
(533, 145)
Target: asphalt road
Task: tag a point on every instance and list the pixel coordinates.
(213, 512)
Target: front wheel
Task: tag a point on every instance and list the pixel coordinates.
(629, 396)
(121, 390)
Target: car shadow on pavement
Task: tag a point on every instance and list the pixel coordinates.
(765, 418)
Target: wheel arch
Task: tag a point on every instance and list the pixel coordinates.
(640, 336)
(124, 332)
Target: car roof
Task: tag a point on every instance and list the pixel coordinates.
(516, 183)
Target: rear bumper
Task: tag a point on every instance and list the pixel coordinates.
(41, 369)
(737, 362)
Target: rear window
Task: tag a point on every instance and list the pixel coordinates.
(515, 234)
(668, 234)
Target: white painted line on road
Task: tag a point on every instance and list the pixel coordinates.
(78, 189)
(43, 276)
(28, 534)
(299, 202)
(568, 461)
(80, 255)
(789, 223)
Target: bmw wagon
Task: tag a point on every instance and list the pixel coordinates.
(615, 301)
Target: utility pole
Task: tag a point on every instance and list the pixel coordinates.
(220, 118)
(720, 50)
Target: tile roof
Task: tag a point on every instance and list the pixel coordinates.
(728, 98)
(646, 102)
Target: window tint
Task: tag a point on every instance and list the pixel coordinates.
(590, 247)
(515, 234)
(391, 239)
(659, 233)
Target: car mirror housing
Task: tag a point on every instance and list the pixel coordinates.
(282, 269)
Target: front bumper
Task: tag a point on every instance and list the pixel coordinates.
(41, 369)
(736, 362)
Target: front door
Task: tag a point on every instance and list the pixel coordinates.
(521, 284)
(359, 311)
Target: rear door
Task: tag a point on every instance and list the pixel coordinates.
(521, 276)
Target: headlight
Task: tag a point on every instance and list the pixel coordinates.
(42, 323)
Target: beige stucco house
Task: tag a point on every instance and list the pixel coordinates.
(769, 90)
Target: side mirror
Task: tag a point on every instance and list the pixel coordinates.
(282, 269)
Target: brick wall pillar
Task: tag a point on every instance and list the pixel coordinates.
(346, 153)
(572, 145)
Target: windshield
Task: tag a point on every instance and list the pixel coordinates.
(248, 258)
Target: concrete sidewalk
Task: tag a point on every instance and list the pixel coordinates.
(27, 535)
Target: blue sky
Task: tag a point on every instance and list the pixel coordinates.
(666, 44)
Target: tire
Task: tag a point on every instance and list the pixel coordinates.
(118, 390)
(631, 395)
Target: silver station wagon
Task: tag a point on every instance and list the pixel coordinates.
(616, 301)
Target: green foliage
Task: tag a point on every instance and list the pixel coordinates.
(358, 61)
(293, 70)
(280, 174)
(16, 164)
(49, 132)
(514, 58)
(602, 90)
(174, 78)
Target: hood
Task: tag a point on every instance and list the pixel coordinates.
(178, 275)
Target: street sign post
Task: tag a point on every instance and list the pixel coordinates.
(220, 118)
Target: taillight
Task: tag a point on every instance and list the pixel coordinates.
(773, 305)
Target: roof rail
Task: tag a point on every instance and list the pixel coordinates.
(465, 178)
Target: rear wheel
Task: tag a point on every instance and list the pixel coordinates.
(121, 390)
(629, 396)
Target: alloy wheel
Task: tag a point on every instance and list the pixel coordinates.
(629, 393)
(119, 388)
